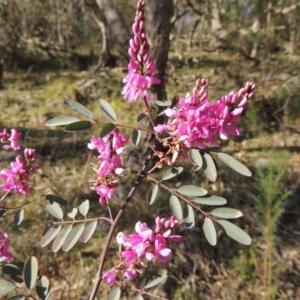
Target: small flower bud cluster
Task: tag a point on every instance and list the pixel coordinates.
(108, 167)
(12, 139)
(4, 254)
(17, 177)
(144, 244)
(141, 67)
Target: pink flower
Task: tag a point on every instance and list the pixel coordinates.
(12, 138)
(110, 277)
(4, 254)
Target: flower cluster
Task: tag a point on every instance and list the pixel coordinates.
(144, 244)
(108, 167)
(196, 122)
(17, 177)
(141, 67)
(4, 254)
(10, 140)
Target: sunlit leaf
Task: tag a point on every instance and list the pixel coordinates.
(107, 129)
(234, 164)
(136, 136)
(210, 200)
(114, 294)
(19, 217)
(189, 216)
(191, 190)
(60, 238)
(172, 173)
(176, 207)
(50, 235)
(89, 231)
(79, 108)
(73, 237)
(163, 103)
(196, 158)
(14, 271)
(55, 210)
(73, 213)
(3, 213)
(209, 167)
(54, 198)
(152, 194)
(30, 272)
(107, 109)
(235, 232)
(6, 287)
(210, 231)
(84, 207)
(141, 117)
(63, 120)
(226, 213)
(138, 297)
(43, 287)
(155, 279)
(78, 126)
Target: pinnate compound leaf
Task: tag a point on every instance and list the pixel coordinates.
(60, 238)
(3, 213)
(17, 297)
(19, 217)
(55, 210)
(156, 278)
(189, 216)
(84, 207)
(78, 126)
(141, 117)
(138, 297)
(73, 237)
(6, 287)
(107, 109)
(115, 294)
(30, 272)
(196, 158)
(152, 194)
(89, 231)
(209, 166)
(107, 129)
(210, 200)
(136, 136)
(50, 235)
(226, 213)
(14, 271)
(79, 108)
(63, 120)
(73, 213)
(235, 232)
(234, 164)
(163, 103)
(43, 287)
(176, 207)
(54, 198)
(191, 190)
(210, 231)
(172, 173)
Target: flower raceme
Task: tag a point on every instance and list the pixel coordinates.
(108, 164)
(4, 254)
(12, 139)
(141, 67)
(145, 244)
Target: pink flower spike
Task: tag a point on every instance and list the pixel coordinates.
(4, 254)
(110, 277)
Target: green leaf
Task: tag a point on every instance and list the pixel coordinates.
(14, 271)
(210, 231)
(84, 207)
(89, 231)
(141, 117)
(79, 108)
(226, 213)
(30, 272)
(107, 129)
(138, 297)
(234, 164)
(60, 238)
(152, 194)
(196, 158)
(209, 167)
(63, 120)
(54, 198)
(235, 232)
(189, 216)
(163, 103)
(19, 217)
(155, 279)
(43, 287)
(73, 237)
(176, 207)
(172, 173)
(191, 190)
(6, 287)
(55, 210)
(136, 136)
(73, 213)
(114, 294)
(78, 126)
(3, 213)
(210, 200)
(50, 235)
(107, 109)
